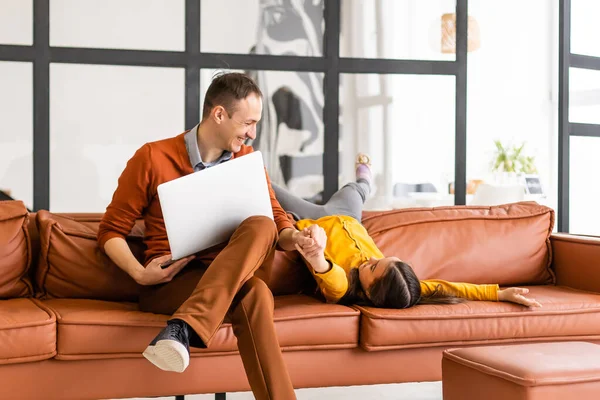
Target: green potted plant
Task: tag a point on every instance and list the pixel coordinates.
(510, 162)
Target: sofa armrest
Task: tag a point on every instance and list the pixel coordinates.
(576, 261)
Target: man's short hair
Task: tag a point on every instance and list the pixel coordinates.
(226, 90)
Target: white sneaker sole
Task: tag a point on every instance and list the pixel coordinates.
(168, 355)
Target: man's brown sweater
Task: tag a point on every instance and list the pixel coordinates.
(136, 195)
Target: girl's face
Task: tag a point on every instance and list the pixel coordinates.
(373, 269)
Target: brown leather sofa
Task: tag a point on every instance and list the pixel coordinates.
(70, 328)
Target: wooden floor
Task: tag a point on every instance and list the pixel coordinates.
(404, 391)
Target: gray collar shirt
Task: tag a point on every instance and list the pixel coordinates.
(191, 144)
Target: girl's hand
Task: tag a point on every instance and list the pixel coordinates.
(314, 254)
(317, 245)
(517, 295)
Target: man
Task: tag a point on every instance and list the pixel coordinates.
(216, 283)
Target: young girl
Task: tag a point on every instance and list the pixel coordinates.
(350, 269)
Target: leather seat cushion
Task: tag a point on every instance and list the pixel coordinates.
(90, 329)
(566, 314)
(27, 331)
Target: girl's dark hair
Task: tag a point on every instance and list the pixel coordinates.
(398, 287)
(355, 293)
(227, 89)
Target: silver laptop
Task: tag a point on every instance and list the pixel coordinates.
(205, 208)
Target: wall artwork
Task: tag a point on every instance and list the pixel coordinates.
(290, 135)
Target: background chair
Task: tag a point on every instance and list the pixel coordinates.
(403, 189)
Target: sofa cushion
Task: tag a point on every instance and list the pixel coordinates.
(27, 331)
(289, 275)
(65, 270)
(91, 329)
(566, 314)
(507, 245)
(15, 250)
(71, 264)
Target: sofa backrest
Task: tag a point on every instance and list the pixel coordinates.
(15, 251)
(69, 263)
(507, 245)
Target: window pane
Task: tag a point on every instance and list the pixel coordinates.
(16, 22)
(411, 145)
(262, 27)
(509, 80)
(584, 27)
(584, 215)
(405, 29)
(99, 116)
(117, 24)
(16, 132)
(290, 133)
(584, 100)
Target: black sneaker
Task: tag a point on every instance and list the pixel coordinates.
(170, 350)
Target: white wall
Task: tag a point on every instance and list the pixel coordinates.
(16, 103)
(16, 130)
(118, 24)
(16, 22)
(228, 26)
(99, 117)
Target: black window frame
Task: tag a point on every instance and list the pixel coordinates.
(567, 129)
(192, 59)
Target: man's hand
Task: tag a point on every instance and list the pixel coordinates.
(302, 239)
(314, 249)
(315, 245)
(154, 273)
(517, 295)
(290, 237)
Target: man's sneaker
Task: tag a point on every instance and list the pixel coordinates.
(170, 350)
